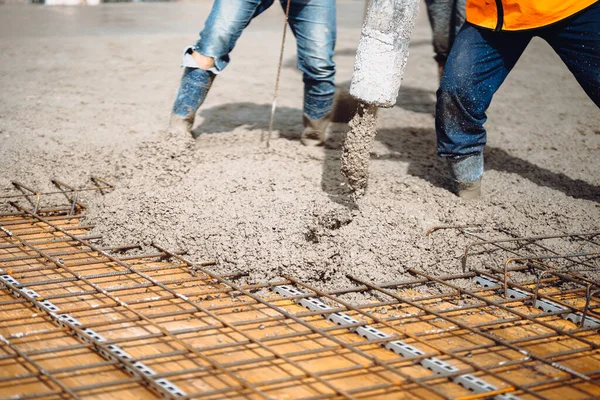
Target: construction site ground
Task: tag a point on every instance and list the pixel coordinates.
(87, 91)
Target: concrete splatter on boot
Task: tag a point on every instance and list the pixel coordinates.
(467, 172)
(315, 130)
(193, 89)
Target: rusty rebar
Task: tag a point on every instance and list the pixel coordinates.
(34, 193)
(150, 382)
(211, 283)
(406, 333)
(531, 240)
(40, 369)
(316, 330)
(561, 332)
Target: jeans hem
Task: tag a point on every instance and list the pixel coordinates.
(220, 64)
(457, 156)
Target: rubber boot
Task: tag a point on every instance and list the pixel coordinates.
(467, 172)
(315, 130)
(194, 86)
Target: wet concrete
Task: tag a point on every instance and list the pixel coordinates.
(87, 91)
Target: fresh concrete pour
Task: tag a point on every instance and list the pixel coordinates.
(378, 70)
(356, 153)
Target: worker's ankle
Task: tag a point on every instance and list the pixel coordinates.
(202, 61)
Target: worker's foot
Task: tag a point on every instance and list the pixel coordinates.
(466, 172)
(315, 130)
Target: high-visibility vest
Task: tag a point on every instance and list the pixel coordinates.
(516, 15)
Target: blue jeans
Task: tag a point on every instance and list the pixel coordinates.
(481, 59)
(446, 18)
(313, 23)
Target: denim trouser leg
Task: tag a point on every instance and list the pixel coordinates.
(224, 26)
(222, 29)
(577, 42)
(313, 22)
(446, 18)
(480, 60)
(477, 65)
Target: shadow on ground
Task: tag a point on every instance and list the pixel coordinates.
(415, 146)
(416, 99)
(227, 117)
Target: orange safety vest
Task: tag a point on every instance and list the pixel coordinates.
(516, 15)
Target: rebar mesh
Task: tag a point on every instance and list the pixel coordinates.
(82, 321)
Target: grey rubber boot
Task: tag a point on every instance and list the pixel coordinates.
(315, 130)
(467, 172)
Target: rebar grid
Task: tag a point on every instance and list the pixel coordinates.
(538, 264)
(143, 317)
(535, 256)
(100, 185)
(147, 318)
(58, 265)
(407, 334)
(503, 343)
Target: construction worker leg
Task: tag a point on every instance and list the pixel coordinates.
(477, 65)
(210, 55)
(446, 18)
(577, 42)
(459, 17)
(224, 25)
(314, 26)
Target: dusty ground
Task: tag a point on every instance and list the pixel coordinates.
(88, 90)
